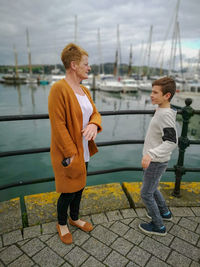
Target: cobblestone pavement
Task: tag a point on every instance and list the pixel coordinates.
(114, 241)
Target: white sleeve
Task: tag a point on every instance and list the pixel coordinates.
(169, 137)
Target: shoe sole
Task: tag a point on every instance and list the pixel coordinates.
(164, 219)
(152, 233)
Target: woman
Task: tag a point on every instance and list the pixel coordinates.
(75, 123)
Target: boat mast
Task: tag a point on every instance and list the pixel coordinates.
(149, 51)
(75, 29)
(130, 62)
(117, 55)
(101, 65)
(16, 62)
(174, 41)
(29, 52)
(180, 50)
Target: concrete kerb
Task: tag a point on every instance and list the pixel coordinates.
(41, 208)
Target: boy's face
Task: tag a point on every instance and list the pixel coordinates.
(157, 96)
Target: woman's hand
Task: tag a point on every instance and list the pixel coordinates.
(90, 131)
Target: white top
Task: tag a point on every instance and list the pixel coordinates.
(161, 137)
(87, 110)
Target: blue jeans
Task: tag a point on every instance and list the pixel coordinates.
(151, 196)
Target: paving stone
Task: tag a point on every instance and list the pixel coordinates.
(103, 234)
(32, 231)
(10, 215)
(195, 264)
(126, 221)
(196, 210)
(23, 242)
(115, 259)
(138, 256)
(45, 237)
(141, 212)
(168, 225)
(99, 218)
(156, 248)
(49, 228)
(66, 264)
(108, 224)
(195, 219)
(198, 244)
(119, 228)
(76, 256)
(114, 215)
(128, 213)
(79, 237)
(198, 229)
(22, 261)
(184, 234)
(12, 237)
(96, 248)
(155, 262)
(185, 248)
(32, 247)
(175, 219)
(122, 246)
(10, 254)
(166, 240)
(182, 211)
(58, 246)
(47, 257)
(92, 262)
(176, 259)
(188, 224)
(134, 236)
(135, 223)
(131, 264)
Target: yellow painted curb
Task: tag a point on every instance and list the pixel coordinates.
(42, 207)
(190, 194)
(10, 215)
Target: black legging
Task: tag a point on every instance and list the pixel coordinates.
(69, 199)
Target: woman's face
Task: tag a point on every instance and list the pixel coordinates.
(83, 68)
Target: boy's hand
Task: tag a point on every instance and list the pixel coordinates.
(146, 161)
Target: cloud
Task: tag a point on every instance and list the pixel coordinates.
(51, 27)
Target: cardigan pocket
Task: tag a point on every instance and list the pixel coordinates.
(74, 169)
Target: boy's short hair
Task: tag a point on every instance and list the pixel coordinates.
(167, 84)
(72, 52)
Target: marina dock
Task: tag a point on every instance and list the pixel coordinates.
(115, 210)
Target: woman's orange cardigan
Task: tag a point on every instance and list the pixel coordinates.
(66, 138)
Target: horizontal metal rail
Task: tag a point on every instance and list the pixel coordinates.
(103, 113)
(99, 144)
(51, 179)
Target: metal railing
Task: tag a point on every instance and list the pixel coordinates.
(187, 112)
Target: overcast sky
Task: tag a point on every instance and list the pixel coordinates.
(51, 25)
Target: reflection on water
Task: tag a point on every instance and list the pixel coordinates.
(33, 99)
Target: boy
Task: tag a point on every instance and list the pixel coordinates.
(160, 141)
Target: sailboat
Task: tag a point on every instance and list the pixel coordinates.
(30, 79)
(14, 78)
(112, 83)
(130, 85)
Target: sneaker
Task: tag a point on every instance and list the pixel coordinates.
(150, 228)
(166, 217)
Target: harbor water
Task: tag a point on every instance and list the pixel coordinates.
(18, 135)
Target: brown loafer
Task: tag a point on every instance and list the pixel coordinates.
(67, 239)
(87, 227)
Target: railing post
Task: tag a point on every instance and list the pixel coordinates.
(183, 143)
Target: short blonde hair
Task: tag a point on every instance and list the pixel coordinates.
(72, 52)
